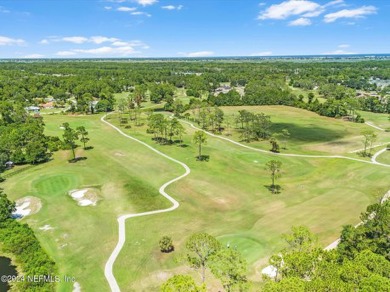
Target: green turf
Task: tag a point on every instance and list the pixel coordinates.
(83, 237)
(380, 120)
(384, 157)
(310, 133)
(226, 197)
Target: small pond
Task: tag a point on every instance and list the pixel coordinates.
(6, 269)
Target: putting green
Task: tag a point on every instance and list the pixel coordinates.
(249, 247)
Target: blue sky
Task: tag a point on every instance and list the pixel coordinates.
(178, 28)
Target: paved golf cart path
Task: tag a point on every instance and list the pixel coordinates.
(108, 269)
(122, 219)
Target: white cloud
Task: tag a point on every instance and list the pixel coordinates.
(34, 56)
(146, 2)
(344, 46)
(75, 39)
(334, 3)
(6, 41)
(339, 52)
(262, 54)
(300, 22)
(115, 48)
(119, 43)
(141, 13)
(172, 7)
(102, 39)
(290, 8)
(198, 54)
(262, 4)
(65, 53)
(350, 13)
(108, 51)
(4, 10)
(107, 7)
(126, 9)
(80, 40)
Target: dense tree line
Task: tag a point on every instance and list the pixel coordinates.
(264, 82)
(19, 240)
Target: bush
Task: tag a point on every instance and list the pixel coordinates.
(166, 244)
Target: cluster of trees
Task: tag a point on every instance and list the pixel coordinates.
(19, 240)
(165, 129)
(209, 118)
(361, 262)
(71, 136)
(22, 138)
(203, 252)
(254, 126)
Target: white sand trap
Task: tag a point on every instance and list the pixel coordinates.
(269, 271)
(84, 197)
(46, 227)
(26, 206)
(76, 287)
(86, 202)
(78, 194)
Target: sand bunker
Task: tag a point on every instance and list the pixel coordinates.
(84, 197)
(270, 271)
(76, 287)
(26, 206)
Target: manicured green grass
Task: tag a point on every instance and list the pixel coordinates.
(226, 197)
(380, 120)
(127, 177)
(384, 157)
(297, 91)
(310, 133)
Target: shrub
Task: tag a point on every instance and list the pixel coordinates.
(166, 244)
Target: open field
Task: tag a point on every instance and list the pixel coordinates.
(226, 197)
(310, 133)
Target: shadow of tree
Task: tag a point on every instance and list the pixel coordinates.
(276, 189)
